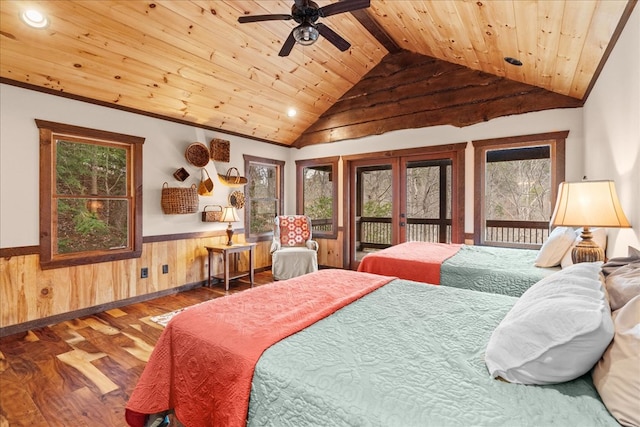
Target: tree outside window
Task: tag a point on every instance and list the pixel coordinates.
(516, 182)
(317, 194)
(91, 203)
(264, 196)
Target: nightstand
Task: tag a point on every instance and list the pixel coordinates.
(229, 272)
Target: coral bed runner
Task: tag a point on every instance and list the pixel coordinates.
(203, 362)
(411, 261)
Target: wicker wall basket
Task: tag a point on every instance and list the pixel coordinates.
(233, 178)
(179, 200)
(197, 154)
(212, 215)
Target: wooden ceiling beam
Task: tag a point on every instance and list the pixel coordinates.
(376, 30)
(408, 90)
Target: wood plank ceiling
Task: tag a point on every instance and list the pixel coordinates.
(411, 64)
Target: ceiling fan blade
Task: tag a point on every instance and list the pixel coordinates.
(287, 45)
(333, 37)
(343, 6)
(258, 18)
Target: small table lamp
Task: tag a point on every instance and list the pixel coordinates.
(588, 204)
(229, 215)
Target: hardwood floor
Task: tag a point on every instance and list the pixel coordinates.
(81, 372)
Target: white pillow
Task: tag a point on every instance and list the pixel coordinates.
(556, 331)
(617, 374)
(623, 285)
(552, 251)
(599, 237)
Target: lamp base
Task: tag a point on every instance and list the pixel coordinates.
(587, 250)
(229, 235)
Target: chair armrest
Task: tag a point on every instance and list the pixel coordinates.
(312, 244)
(275, 246)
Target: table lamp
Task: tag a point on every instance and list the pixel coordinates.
(229, 215)
(588, 204)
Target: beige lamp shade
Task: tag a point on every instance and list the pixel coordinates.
(229, 215)
(588, 204)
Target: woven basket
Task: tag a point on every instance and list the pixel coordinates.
(211, 216)
(179, 200)
(197, 154)
(233, 179)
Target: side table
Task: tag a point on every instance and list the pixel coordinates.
(228, 274)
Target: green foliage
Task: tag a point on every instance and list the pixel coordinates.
(377, 208)
(320, 208)
(88, 223)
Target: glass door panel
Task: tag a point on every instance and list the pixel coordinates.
(401, 199)
(375, 195)
(426, 216)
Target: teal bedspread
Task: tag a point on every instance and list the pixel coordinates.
(408, 354)
(504, 271)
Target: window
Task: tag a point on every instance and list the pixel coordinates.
(90, 195)
(317, 194)
(516, 183)
(265, 191)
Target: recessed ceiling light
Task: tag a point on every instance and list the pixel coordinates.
(513, 61)
(291, 112)
(34, 18)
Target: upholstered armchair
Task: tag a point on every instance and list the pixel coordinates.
(293, 253)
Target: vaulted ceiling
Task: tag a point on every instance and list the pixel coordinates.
(411, 63)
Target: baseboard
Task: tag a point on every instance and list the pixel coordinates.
(46, 321)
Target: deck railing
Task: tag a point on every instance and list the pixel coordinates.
(376, 232)
(321, 225)
(521, 233)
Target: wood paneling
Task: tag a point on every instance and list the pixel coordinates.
(28, 293)
(330, 251)
(408, 90)
(191, 61)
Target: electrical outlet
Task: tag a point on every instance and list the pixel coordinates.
(165, 268)
(144, 273)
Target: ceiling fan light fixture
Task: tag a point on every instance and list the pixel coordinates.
(305, 34)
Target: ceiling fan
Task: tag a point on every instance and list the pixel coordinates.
(306, 13)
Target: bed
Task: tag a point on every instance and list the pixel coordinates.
(365, 350)
(498, 270)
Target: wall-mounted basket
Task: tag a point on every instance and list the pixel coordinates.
(197, 154)
(179, 200)
(212, 215)
(219, 149)
(233, 179)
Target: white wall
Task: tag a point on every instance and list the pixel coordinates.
(164, 149)
(612, 131)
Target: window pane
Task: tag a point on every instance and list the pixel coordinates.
(423, 191)
(262, 181)
(92, 224)
(92, 169)
(428, 201)
(89, 212)
(518, 190)
(262, 214)
(318, 196)
(377, 193)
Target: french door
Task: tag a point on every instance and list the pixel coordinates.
(401, 199)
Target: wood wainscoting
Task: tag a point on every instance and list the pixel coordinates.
(28, 293)
(31, 297)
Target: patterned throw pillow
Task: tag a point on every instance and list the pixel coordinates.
(294, 231)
